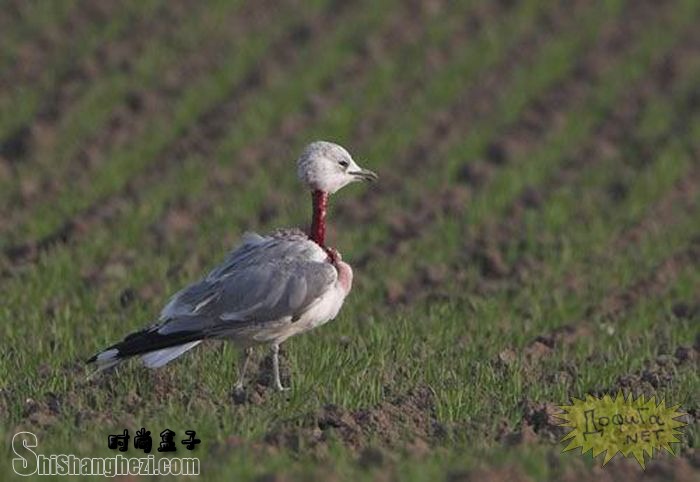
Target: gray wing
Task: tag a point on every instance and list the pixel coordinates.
(289, 244)
(265, 279)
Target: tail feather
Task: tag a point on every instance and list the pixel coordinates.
(156, 349)
(106, 359)
(158, 358)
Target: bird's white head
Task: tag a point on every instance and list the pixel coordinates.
(325, 166)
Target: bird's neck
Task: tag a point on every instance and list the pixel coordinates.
(318, 221)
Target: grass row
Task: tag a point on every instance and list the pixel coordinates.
(640, 335)
(562, 212)
(18, 108)
(91, 111)
(35, 17)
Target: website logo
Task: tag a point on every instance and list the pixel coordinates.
(28, 462)
(622, 424)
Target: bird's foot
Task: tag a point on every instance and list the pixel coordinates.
(239, 394)
(280, 388)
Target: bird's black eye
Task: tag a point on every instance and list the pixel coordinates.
(343, 163)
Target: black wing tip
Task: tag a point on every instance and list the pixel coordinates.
(95, 358)
(145, 341)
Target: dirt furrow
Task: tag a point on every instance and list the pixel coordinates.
(656, 374)
(609, 139)
(408, 422)
(529, 130)
(43, 86)
(659, 373)
(682, 198)
(439, 57)
(619, 302)
(488, 245)
(20, 21)
(35, 136)
(118, 55)
(446, 126)
(130, 115)
(614, 306)
(35, 54)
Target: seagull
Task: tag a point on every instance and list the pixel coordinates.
(267, 289)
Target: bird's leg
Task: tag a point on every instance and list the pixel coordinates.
(245, 357)
(276, 367)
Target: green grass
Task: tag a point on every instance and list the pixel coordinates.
(25, 99)
(571, 260)
(36, 17)
(85, 119)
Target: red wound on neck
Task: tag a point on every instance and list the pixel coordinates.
(318, 221)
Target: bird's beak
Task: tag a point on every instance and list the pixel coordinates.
(364, 175)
